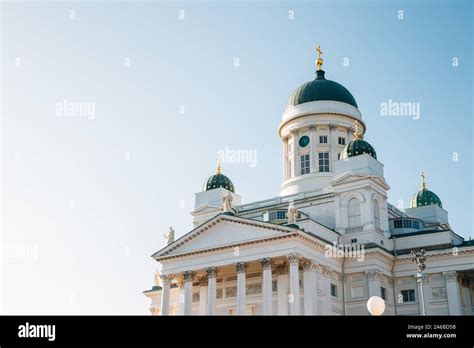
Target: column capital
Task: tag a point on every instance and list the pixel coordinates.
(188, 276)
(241, 267)
(312, 127)
(267, 263)
(165, 279)
(294, 131)
(374, 274)
(332, 126)
(180, 283)
(211, 272)
(293, 259)
(451, 276)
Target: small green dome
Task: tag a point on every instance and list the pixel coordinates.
(218, 180)
(357, 147)
(321, 89)
(424, 196)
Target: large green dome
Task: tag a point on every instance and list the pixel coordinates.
(321, 89)
(357, 147)
(218, 180)
(424, 196)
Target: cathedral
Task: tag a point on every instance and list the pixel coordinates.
(328, 243)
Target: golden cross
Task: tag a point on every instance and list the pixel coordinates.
(320, 53)
(423, 184)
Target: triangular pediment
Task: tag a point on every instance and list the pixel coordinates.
(205, 209)
(354, 177)
(223, 231)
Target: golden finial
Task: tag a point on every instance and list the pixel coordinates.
(319, 61)
(423, 183)
(219, 165)
(356, 133)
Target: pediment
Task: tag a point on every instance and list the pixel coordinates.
(353, 177)
(206, 208)
(223, 231)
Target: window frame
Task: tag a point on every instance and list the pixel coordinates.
(323, 162)
(305, 164)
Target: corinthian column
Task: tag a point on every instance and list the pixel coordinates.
(188, 292)
(309, 288)
(241, 287)
(267, 286)
(211, 290)
(203, 281)
(294, 299)
(165, 295)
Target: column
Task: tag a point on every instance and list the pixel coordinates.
(296, 163)
(374, 278)
(327, 272)
(181, 297)
(188, 292)
(294, 297)
(309, 288)
(333, 142)
(165, 295)
(203, 281)
(468, 296)
(241, 287)
(312, 149)
(267, 286)
(286, 175)
(282, 290)
(211, 290)
(453, 292)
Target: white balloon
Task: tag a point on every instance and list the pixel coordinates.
(376, 305)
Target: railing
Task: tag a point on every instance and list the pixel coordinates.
(354, 229)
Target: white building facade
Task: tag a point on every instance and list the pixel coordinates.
(346, 244)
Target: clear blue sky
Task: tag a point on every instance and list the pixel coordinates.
(94, 217)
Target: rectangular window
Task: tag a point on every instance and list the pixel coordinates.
(323, 161)
(333, 290)
(341, 141)
(354, 240)
(407, 224)
(397, 223)
(383, 293)
(305, 164)
(323, 139)
(416, 224)
(408, 295)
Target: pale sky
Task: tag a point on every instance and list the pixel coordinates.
(87, 198)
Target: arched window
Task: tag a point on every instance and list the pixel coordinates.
(353, 208)
(376, 214)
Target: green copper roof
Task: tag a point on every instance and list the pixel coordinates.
(321, 89)
(218, 180)
(425, 197)
(357, 147)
